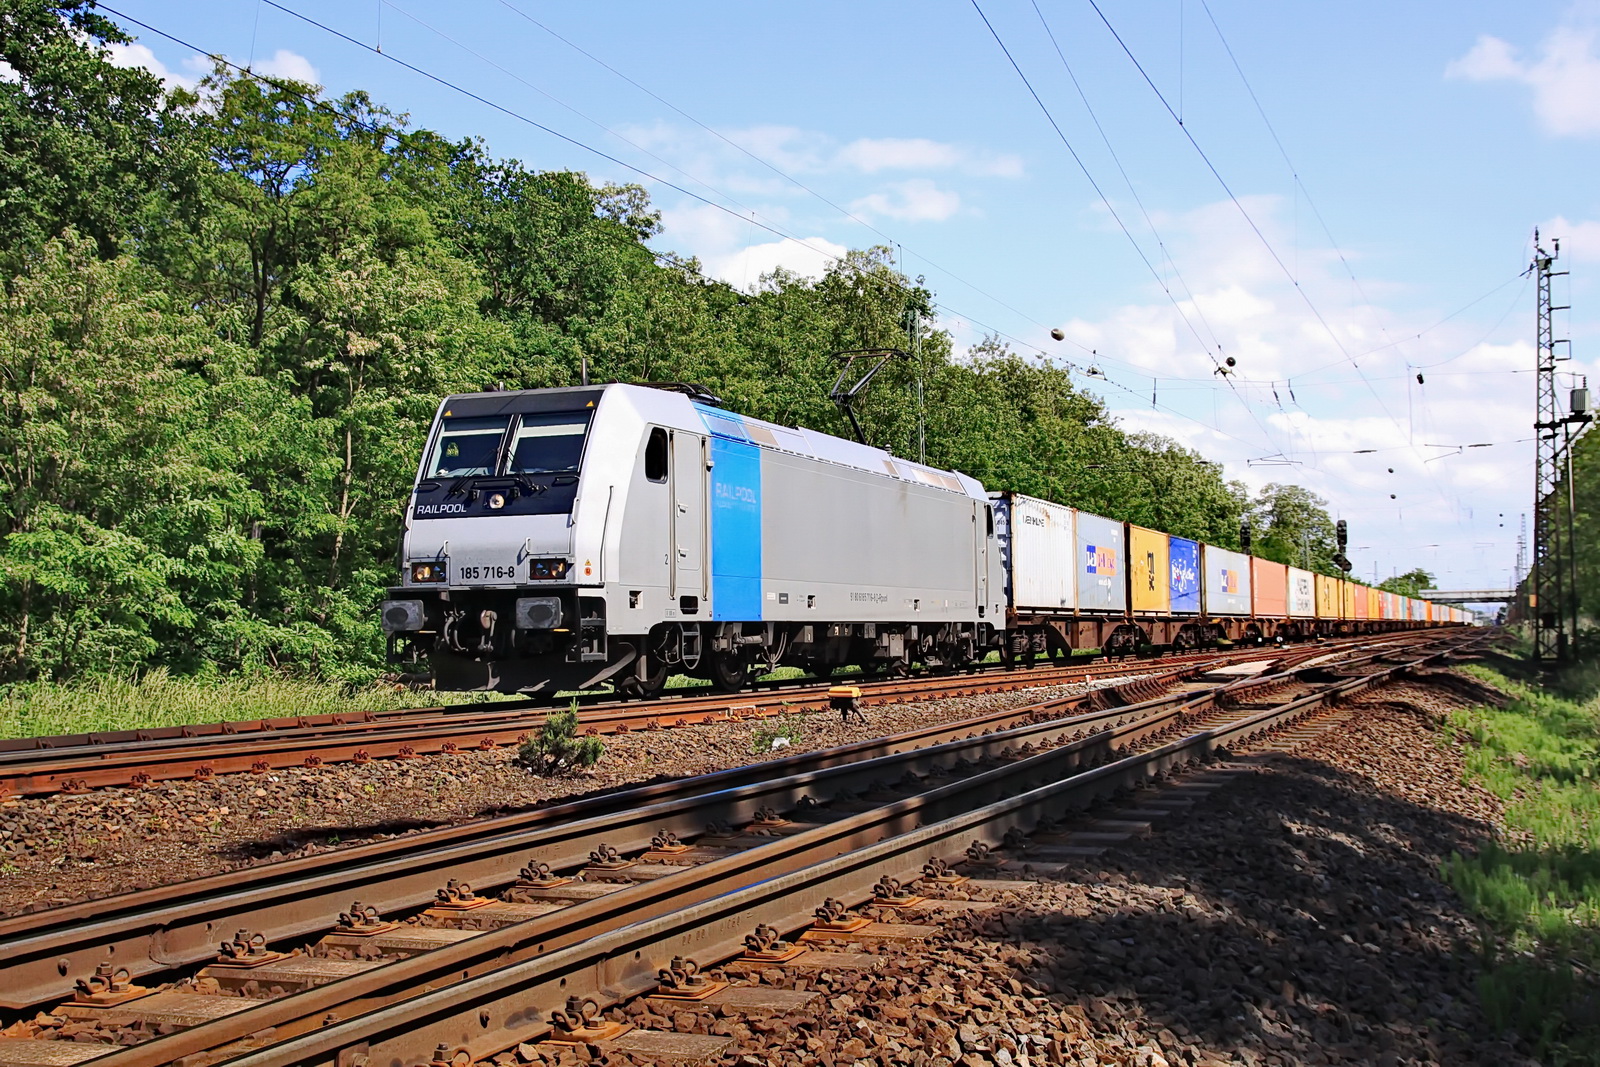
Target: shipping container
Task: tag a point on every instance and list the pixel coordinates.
(1327, 597)
(1227, 581)
(1184, 589)
(1391, 606)
(1358, 601)
(1269, 589)
(1347, 599)
(1374, 604)
(1037, 547)
(1302, 594)
(1150, 581)
(1102, 580)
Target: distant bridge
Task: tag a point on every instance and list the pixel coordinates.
(1469, 596)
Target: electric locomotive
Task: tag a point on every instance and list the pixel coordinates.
(563, 538)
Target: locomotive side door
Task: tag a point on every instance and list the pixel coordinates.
(983, 526)
(688, 519)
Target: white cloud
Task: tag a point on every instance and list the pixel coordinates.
(736, 251)
(809, 152)
(1579, 240)
(1565, 78)
(281, 64)
(871, 155)
(291, 66)
(138, 55)
(1330, 418)
(914, 200)
(809, 257)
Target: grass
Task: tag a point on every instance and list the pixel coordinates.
(43, 709)
(158, 699)
(1536, 893)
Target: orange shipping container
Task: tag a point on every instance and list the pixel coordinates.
(1269, 585)
(1327, 597)
(1358, 593)
(1150, 568)
(1374, 604)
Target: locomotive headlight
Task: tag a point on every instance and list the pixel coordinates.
(547, 569)
(432, 571)
(497, 501)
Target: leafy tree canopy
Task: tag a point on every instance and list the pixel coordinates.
(228, 315)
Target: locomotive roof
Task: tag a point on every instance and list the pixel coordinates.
(674, 408)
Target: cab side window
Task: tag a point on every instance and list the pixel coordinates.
(655, 455)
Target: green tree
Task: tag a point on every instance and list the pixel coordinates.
(122, 508)
(80, 139)
(1411, 583)
(1291, 525)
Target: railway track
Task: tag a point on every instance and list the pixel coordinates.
(817, 826)
(81, 762)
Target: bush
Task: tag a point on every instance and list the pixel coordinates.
(557, 748)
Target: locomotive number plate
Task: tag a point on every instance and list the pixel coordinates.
(485, 574)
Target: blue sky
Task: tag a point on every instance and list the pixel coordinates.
(1426, 139)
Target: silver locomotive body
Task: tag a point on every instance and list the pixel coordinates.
(561, 538)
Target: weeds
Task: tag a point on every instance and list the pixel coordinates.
(158, 699)
(789, 729)
(557, 748)
(1537, 894)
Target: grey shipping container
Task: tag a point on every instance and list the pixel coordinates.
(1101, 565)
(1227, 581)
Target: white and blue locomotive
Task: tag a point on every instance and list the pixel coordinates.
(562, 538)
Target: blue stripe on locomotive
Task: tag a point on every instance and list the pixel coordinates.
(1185, 557)
(735, 520)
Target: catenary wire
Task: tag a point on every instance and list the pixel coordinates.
(1256, 229)
(1112, 211)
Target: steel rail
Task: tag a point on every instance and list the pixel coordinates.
(80, 762)
(598, 706)
(154, 930)
(490, 991)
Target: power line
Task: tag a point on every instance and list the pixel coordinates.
(668, 258)
(1255, 228)
(1104, 199)
(1106, 140)
(638, 170)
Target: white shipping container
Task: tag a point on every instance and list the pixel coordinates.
(1042, 554)
(1227, 581)
(1302, 594)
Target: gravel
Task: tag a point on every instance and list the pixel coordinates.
(62, 848)
(1294, 917)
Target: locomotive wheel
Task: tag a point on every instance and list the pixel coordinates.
(648, 679)
(729, 672)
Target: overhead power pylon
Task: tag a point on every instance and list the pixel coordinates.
(1552, 580)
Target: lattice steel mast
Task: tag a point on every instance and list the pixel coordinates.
(1548, 579)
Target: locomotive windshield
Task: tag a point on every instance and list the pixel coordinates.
(550, 443)
(468, 447)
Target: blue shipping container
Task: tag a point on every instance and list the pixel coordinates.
(1185, 557)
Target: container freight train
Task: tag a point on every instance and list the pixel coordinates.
(565, 538)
